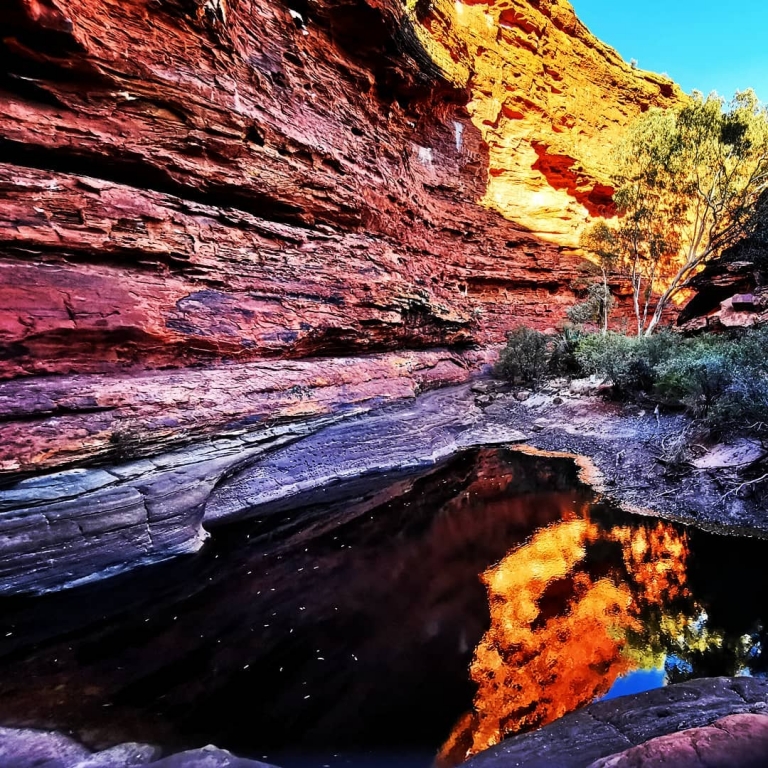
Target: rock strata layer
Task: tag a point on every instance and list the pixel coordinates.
(73, 524)
(736, 739)
(64, 527)
(538, 80)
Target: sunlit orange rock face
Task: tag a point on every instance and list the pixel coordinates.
(199, 186)
(559, 630)
(550, 101)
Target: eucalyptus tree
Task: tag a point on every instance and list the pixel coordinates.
(688, 185)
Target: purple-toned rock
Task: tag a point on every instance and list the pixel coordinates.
(608, 728)
(28, 748)
(207, 757)
(738, 740)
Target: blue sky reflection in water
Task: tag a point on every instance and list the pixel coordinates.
(636, 682)
(701, 45)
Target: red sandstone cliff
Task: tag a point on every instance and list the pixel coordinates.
(203, 186)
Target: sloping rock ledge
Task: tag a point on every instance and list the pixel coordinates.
(63, 528)
(84, 522)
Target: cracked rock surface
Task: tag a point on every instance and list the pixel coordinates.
(741, 739)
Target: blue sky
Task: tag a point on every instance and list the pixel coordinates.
(709, 46)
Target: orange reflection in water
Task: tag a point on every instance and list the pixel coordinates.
(560, 621)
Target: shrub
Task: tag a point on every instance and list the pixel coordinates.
(526, 357)
(745, 400)
(722, 380)
(595, 307)
(609, 356)
(744, 404)
(563, 361)
(697, 376)
(630, 363)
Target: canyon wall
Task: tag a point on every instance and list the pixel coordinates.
(222, 216)
(550, 101)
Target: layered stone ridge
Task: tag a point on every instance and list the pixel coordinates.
(185, 182)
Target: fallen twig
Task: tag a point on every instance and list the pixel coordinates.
(739, 488)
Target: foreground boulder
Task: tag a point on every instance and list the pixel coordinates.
(616, 726)
(736, 740)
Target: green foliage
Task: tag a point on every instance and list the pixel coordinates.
(745, 400)
(563, 346)
(697, 376)
(600, 239)
(594, 309)
(630, 363)
(526, 358)
(721, 380)
(724, 380)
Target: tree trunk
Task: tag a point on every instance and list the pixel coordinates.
(656, 316)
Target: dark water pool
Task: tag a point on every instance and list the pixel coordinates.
(408, 620)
